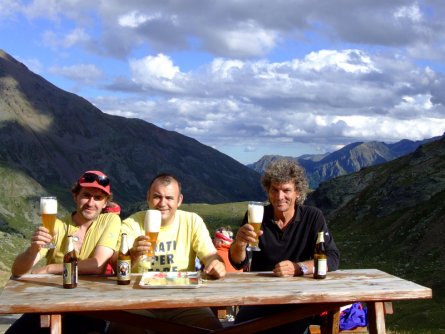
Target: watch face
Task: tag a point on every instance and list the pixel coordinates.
(303, 268)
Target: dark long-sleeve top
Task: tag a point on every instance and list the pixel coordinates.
(295, 243)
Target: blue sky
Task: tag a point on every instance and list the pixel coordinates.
(249, 78)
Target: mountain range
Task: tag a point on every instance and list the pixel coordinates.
(351, 158)
(51, 136)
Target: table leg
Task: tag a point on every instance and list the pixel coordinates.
(54, 321)
(45, 320)
(376, 317)
(56, 324)
(332, 322)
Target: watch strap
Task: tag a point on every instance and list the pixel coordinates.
(304, 269)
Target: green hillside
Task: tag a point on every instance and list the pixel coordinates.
(391, 217)
(218, 215)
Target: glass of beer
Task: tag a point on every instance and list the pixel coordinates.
(48, 212)
(255, 212)
(152, 225)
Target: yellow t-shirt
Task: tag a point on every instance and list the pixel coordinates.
(178, 244)
(104, 231)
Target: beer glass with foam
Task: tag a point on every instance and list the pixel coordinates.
(48, 212)
(152, 225)
(255, 212)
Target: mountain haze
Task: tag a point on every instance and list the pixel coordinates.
(52, 136)
(351, 158)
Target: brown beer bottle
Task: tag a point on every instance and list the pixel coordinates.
(70, 273)
(320, 257)
(123, 262)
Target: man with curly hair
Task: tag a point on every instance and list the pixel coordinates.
(288, 236)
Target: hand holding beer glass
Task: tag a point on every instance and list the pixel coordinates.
(255, 212)
(152, 225)
(48, 211)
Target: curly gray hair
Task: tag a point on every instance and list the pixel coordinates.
(283, 171)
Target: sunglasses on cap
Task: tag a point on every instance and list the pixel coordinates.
(103, 180)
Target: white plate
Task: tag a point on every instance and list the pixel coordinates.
(170, 280)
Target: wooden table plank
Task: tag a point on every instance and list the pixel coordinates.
(45, 294)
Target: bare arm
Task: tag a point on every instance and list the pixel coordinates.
(26, 260)
(93, 266)
(214, 265)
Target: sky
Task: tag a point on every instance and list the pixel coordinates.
(246, 77)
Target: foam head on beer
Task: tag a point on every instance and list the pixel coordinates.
(255, 211)
(48, 205)
(153, 219)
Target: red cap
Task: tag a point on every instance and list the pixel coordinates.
(223, 236)
(95, 179)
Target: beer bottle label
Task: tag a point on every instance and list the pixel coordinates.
(123, 269)
(67, 273)
(322, 267)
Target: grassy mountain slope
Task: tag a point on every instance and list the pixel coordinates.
(391, 217)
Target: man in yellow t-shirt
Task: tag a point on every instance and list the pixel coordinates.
(183, 237)
(95, 240)
(178, 243)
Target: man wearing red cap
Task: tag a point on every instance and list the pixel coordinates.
(95, 236)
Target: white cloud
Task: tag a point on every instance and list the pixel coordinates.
(411, 13)
(353, 61)
(85, 73)
(135, 19)
(8, 8)
(161, 67)
(43, 8)
(386, 129)
(248, 39)
(156, 72)
(222, 69)
(74, 38)
(345, 95)
(250, 73)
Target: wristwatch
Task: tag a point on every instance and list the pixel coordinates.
(303, 268)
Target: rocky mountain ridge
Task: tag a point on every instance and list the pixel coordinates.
(351, 158)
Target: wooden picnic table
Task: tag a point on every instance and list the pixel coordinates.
(100, 296)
